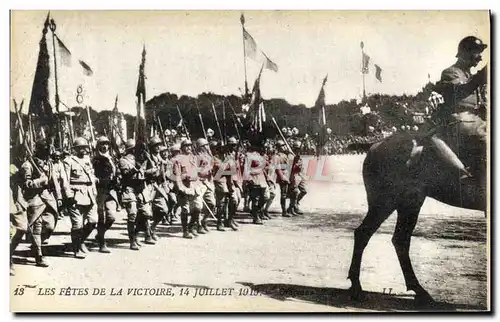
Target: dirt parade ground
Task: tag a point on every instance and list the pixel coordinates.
(288, 264)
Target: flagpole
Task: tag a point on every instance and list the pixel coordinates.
(53, 29)
(242, 20)
(363, 70)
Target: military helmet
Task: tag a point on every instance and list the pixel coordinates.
(186, 142)
(232, 140)
(471, 44)
(297, 144)
(280, 143)
(103, 139)
(80, 142)
(213, 144)
(130, 144)
(201, 142)
(155, 141)
(175, 147)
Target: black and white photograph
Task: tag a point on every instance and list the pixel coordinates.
(250, 161)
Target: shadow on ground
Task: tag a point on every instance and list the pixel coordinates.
(341, 298)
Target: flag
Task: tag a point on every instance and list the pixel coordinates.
(255, 109)
(250, 45)
(86, 68)
(140, 121)
(366, 61)
(378, 72)
(64, 52)
(39, 103)
(320, 115)
(269, 64)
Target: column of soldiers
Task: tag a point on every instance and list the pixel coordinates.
(151, 185)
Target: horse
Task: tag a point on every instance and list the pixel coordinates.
(391, 185)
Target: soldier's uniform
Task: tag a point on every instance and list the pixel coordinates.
(270, 192)
(297, 184)
(220, 185)
(160, 183)
(188, 186)
(107, 186)
(173, 205)
(83, 212)
(459, 115)
(39, 191)
(282, 162)
(254, 171)
(207, 188)
(18, 207)
(234, 182)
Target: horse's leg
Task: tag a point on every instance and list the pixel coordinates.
(376, 215)
(407, 219)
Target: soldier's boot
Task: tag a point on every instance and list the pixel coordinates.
(154, 224)
(76, 244)
(230, 217)
(148, 234)
(15, 240)
(449, 157)
(220, 214)
(246, 205)
(185, 230)
(193, 224)
(39, 259)
(255, 216)
(132, 236)
(86, 231)
(204, 224)
(291, 207)
(284, 213)
(101, 239)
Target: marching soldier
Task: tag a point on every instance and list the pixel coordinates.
(173, 205)
(145, 195)
(107, 190)
(257, 183)
(160, 207)
(462, 93)
(297, 182)
(220, 182)
(38, 184)
(83, 204)
(282, 165)
(132, 177)
(270, 192)
(18, 216)
(234, 184)
(205, 164)
(187, 185)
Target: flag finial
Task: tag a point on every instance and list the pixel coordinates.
(242, 19)
(362, 45)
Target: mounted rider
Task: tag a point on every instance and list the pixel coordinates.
(459, 99)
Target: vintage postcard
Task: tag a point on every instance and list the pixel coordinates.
(250, 161)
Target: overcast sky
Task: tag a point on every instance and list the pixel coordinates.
(194, 52)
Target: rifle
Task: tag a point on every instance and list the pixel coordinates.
(90, 126)
(182, 122)
(201, 120)
(217, 121)
(282, 136)
(161, 129)
(155, 184)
